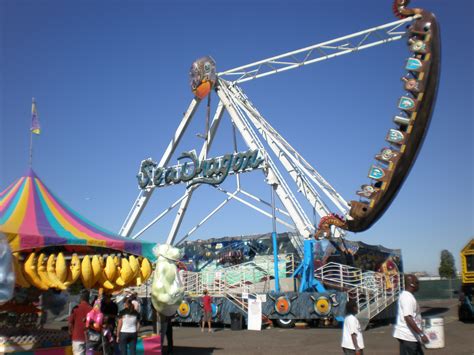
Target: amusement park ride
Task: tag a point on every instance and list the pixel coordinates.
(49, 248)
(393, 163)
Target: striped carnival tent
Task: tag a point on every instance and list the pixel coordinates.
(33, 218)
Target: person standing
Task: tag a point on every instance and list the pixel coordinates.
(408, 330)
(166, 330)
(352, 340)
(107, 337)
(94, 322)
(207, 308)
(127, 328)
(77, 324)
(136, 303)
(109, 308)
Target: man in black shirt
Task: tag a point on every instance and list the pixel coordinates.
(109, 308)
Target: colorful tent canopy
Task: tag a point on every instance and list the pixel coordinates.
(32, 217)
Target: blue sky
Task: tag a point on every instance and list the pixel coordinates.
(111, 83)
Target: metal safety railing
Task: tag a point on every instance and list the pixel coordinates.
(373, 291)
(253, 276)
(236, 282)
(373, 300)
(339, 276)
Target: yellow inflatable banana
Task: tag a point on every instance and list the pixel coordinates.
(61, 268)
(42, 270)
(20, 279)
(110, 269)
(145, 269)
(134, 265)
(96, 269)
(31, 273)
(145, 272)
(87, 276)
(119, 281)
(126, 272)
(103, 282)
(74, 270)
(51, 271)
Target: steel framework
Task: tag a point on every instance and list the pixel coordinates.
(254, 129)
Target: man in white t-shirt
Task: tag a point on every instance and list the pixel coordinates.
(352, 341)
(408, 329)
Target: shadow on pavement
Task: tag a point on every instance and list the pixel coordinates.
(177, 350)
(381, 323)
(218, 329)
(433, 311)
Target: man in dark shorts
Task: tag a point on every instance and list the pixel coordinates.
(207, 308)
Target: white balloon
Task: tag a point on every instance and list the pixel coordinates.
(167, 289)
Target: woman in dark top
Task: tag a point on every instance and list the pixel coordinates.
(127, 328)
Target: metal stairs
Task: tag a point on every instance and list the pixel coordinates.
(373, 291)
(239, 281)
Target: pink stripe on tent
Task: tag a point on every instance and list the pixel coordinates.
(10, 194)
(76, 223)
(29, 226)
(7, 189)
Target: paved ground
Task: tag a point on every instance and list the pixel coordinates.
(459, 338)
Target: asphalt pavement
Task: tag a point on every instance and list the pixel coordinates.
(459, 337)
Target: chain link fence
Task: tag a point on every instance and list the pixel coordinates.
(439, 289)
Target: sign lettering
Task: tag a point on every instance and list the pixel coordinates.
(192, 171)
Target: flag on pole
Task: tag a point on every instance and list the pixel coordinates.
(35, 126)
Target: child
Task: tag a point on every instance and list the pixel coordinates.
(108, 336)
(94, 320)
(93, 329)
(352, 340)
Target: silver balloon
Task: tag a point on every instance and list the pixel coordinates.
(7, 274)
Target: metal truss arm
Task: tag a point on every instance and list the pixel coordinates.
(295, 164)
(213, 212)
(318, 52)
(157, 218)
(292, 165)
(145, 194)
(303, 225)
(205, 148)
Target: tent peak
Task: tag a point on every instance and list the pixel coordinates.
(30, 173)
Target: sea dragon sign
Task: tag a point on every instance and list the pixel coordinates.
(193, 171)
